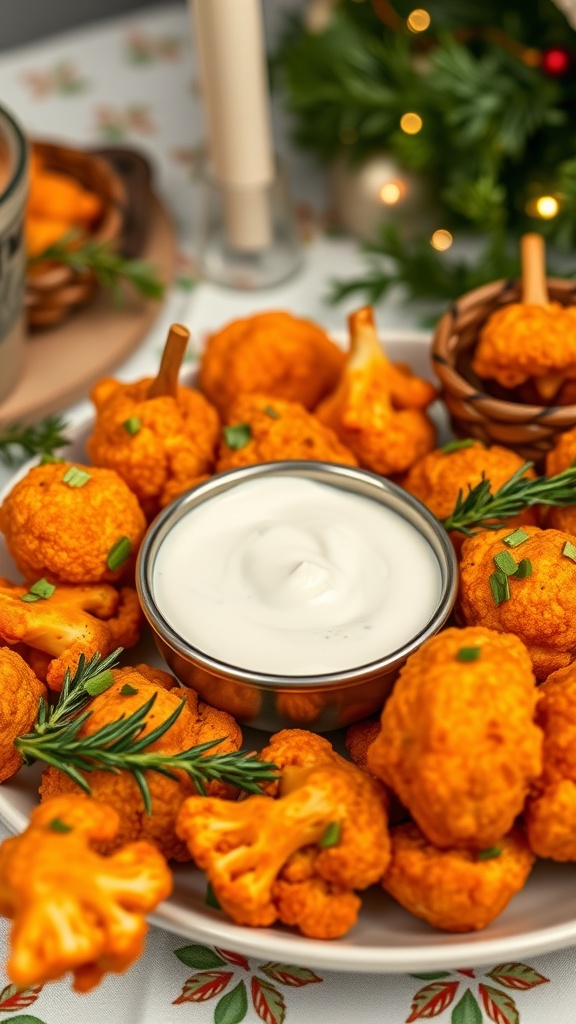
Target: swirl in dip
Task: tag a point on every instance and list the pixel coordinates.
(288, 576)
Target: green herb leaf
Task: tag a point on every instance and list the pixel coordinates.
(569, 551)
(118, 553)
(238, 435)
(99, 683)
(456, 446)
(484, 510)
(18, 443)
(271, 412)
(128, 691)
(513, 540)
(57, 825)
(76, 477)
(504, 561)
(468, 654)
(109, 267)
(331, 836)
(39, 591)
(132, 425)
(524, 569)
(489, 854)
(210, 898)
(47, 459)
(499, 586)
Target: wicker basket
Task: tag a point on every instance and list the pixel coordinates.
(482, 409)
(54, 290)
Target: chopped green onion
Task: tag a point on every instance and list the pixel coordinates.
(513, 540)
(524, 569)
(76, 477)
(569, 551)
(118, 553)
(49, 458)
(489, 854)
(132, 425)
(128, 691)
(331, 836)
(98, 684)
(455, 446)
(57, 825)
(271, 412)
(468, 654)
(499, 586)
(210, 898)
(504, 561)
(41, 590)
(238, 435)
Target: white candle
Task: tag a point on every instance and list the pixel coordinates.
(232, 67)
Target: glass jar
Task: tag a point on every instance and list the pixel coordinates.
(13, 196)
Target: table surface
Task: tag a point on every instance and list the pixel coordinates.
(132, 81)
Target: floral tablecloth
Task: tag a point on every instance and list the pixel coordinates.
(131, 80)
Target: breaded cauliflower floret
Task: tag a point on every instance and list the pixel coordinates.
(64, 532)
(305, 900)
(366, 410)
(458, 742)
(272, 353)
(523, 341)
(562, 456)
(69, 622)
(271, 430)
(20, 695)
(72, 909)
(550, 813)
(197, 723)
(455, 890)
(159, 446)
(541, 609)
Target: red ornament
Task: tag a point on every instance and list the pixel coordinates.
(556, 62)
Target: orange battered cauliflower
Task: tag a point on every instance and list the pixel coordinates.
(562, 456)
(456, 890)
(66, 532)
(458, 743)
(197, 723)
(371, 411)
(70, 622)
(550, 813)
(159, 446)
(272, 353)
(523, 341)
(20, 694)
(264, 429)
(541, 609)
(72, 909)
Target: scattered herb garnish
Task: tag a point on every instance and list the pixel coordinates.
(238, 435)
(132, 425)
(484, 510)
(48, 459)
(76, 477)
(456, 446)
(524, 569)
(39, 591)
(118, 553)
(271, 412)
(57, 825)
(499, 586)
(569, 551)
(99, 683)
(210, 898)
(18, 442)
(468, 654)
(514, 540)
(331, 836)
(99, 258)
(504, 561)
(489, 854)
(128, 691)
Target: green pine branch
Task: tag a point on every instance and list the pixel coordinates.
(109, 267)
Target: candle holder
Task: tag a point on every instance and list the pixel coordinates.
(247, 236)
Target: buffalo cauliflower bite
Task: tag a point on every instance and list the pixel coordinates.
(522, 341)
(197, 723)
(541, 609)
(550, 813)
(65, 531)
(562, 456)
(455, 890)
(159, 446)
(20, 695)
(271, 353)
(73, 910)
(264, 429)
(367, 409)
(458, 743)
(304, 900)
(69, 622)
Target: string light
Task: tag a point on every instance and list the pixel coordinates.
(419, 20)
(547, 207)
(411, 123)
(392, 191)
(441, 240)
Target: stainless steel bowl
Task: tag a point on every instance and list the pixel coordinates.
(271, 702)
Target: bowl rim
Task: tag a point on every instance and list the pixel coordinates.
(350, 478)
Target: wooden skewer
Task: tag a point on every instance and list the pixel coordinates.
(535, 293)
(166, 380)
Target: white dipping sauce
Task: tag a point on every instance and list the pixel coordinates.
(292, 577)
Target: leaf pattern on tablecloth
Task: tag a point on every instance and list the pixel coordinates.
(518, 976)
(499, 1006)
(268, 1001)
(13, 998)
(115, 123)
(431, 1000)
(489, 1004)
(143, 48)
(63, 79)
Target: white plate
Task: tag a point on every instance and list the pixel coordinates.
(386, 939)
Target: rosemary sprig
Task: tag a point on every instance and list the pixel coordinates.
(108, 266)
(485, 510)
(91, 677)
(18, 442)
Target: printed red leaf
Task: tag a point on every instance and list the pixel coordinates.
(467, 971)
(13, 998)
(432, 1000)
(268, 1002)
(518, 976)
(204, 985)
(289, 974)
(234, 958)
(499, 1006)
